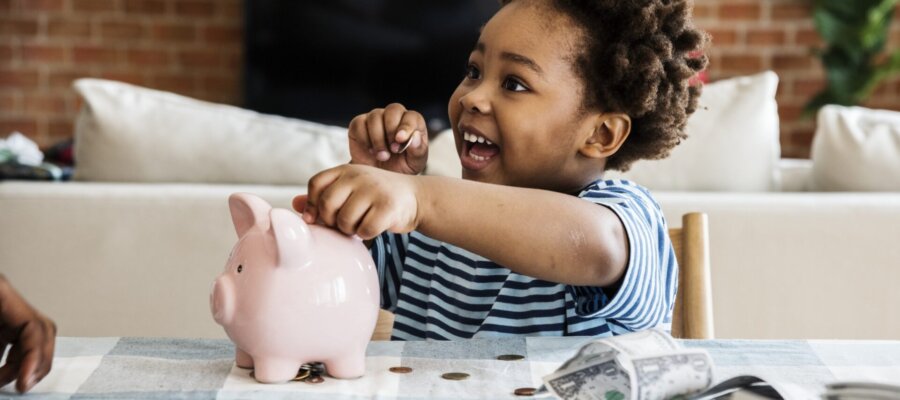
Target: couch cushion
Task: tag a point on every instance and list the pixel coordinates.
(856, 149)
(732, 143)
(128, 133)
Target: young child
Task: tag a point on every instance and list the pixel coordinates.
(532, 241)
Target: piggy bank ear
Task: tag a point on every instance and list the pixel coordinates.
(292, 238)
(248, 211)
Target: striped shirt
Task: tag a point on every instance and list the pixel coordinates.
(440, 291)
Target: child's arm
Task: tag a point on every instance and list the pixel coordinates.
(546, 235)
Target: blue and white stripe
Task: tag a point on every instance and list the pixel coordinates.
(440, 291)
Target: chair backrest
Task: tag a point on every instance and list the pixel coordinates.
(692, 317)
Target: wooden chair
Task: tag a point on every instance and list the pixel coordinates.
(692, 317)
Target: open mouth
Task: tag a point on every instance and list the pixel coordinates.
(477, 150)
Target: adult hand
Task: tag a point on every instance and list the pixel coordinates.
(377, 138)
(361, 200)
(32, 336)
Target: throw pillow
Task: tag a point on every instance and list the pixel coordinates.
(128, 133)
(732, 144)
(856, 149)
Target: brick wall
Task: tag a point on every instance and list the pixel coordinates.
(193, 47)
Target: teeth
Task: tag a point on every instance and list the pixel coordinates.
(473, 138)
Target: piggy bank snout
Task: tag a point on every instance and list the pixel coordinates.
(221, 300)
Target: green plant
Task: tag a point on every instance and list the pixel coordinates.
(855, 33)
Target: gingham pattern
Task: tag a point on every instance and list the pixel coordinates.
(114, 368)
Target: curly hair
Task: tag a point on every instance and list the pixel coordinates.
(638, 58)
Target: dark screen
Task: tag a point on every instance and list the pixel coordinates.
(328, 61)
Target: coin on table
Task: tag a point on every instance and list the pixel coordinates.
(400, 370)
(455, 376)
(315, 379)
(510, 357)
(525, 391)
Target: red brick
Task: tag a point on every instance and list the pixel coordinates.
(789, 112)
(7, 53)
(61, 79)
(798, 11)
(42, 5)
(144, 57)
(195, 8)
(199, 58)
(766, 37)
(145, 6)
(741, 63)
(59, 129)
(801, 137)
(19, 79)
(806, 88)
(703, 11)
(22, 26)
(45, 104)
(42, 53)
(94, 55)
(222, 34)
(222, 85)
(94, 5)
(174, 32)
(8, 104)
(231, 9)
(808, 37)
(740, 11)
(129, 76)
(782, 62)
(122, 30)
(722, 36)
(26, 125)
(68, 27)
(174, 83)
(5, 6)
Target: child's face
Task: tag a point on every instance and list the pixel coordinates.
(522, 94)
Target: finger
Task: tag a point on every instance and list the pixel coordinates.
(409, 124)
(375, 130)
(299, 205)
(360, 146)
(331, 202)
(28, 370)
(48, 351)
(374, 223)
(316, 185)
(418, 149)
(352, 213)
(393, 114)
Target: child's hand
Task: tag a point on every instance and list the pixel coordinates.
(377, 138)
(32, 336)
(361, 200)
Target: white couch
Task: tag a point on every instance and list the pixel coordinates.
(118, 253)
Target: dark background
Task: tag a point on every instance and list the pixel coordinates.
(328, 61)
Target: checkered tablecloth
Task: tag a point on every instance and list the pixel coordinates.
(155, 368)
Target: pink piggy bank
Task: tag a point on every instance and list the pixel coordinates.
(294, 293)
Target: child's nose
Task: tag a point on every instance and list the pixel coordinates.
(476, 101)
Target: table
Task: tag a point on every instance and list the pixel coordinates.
(172, 368)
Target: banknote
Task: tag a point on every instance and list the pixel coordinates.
(643, 365)
(604, 379)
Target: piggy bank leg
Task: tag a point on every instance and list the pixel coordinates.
(269, 370)
(349, 366)
(242, 359)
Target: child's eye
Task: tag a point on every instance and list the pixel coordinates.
(514, 85)
(472, 72)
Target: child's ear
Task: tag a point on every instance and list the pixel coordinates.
(609, 132)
